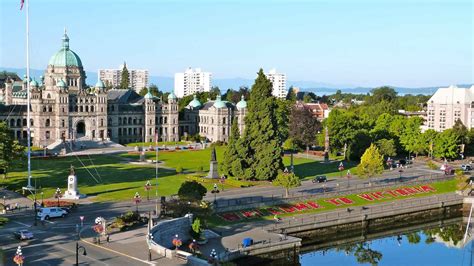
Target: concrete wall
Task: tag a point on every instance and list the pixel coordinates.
(165, 231)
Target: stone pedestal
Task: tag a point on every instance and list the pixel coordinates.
(213, 170)
(72, 191)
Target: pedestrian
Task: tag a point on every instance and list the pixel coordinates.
(108, 238)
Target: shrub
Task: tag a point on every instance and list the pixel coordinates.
(432, 165)
(179, 169)
(130, 217)
(192, 191)
(196, 229)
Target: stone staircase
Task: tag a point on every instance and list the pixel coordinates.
(82, 143)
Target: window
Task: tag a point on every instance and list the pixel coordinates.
(47, 135)
(24, 122)
(101, 122)
(81, 109)
(223, 131)
(47, 123)
(223, 121)
(62, 123)
(12, 122)
(120, 121)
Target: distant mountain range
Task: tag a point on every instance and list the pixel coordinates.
(319, 88)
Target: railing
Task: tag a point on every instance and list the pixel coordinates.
(358, 214)
(223, 205)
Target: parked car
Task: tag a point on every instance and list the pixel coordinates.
(320, 179)
(66, 209)
(23, 234)
(466, 167)
(52, 212)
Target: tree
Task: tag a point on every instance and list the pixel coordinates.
(261, 139)
(10, 149)
(461, 132)
(371, 163)
(287, 181)
(410, 137)
(384, 93)
(125, 78)
(291, 96)
(358, 145)
(307, 98)
(282, 116)
(231, 152)
(303, 126)
(143, 92)
(445, 145)
(196, 229)
(387, 147)
(192, 191)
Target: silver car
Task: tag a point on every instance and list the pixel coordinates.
(23, 234)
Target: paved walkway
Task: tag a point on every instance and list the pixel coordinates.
(131, 244)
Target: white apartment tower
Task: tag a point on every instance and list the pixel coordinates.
(279, 83)
(138, 78)
(191, 81)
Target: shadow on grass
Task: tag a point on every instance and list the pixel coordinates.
(310, 169)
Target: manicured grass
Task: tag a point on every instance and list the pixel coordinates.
(153, 144)
(113, 177)
(441, 188)
(309, 168)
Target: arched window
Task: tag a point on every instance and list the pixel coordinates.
(129, 120)
(48, 123)
(48, 96)
(120, 121)
(50, 109)
(76, 108)
(18, 122)
(24, 122)
(12, 122)
(87, 108)
(101, 122)
(81, 109)
(44, 109)
(92, 108)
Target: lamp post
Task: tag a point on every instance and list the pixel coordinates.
(214, 191)
(150, 238)
(348, 177)
(84, 252)
(213, 256)
(19, 258)
(137, 200)
(57, 194)
(147, 189)
(34, 206)
(177, 242)
(4, 201)
(400, 174)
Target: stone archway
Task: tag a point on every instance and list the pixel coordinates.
(80, 129)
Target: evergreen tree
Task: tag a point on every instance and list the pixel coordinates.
(371, 163)
(230, 153)
(261, 145)
(124, 82)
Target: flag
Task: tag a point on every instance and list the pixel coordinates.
(21, 4)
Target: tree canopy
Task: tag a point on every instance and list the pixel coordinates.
(371, 163)
(125, 78)
(192, 191)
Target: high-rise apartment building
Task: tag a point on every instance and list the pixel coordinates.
(138, 79)
(279, 83)
(191, 81)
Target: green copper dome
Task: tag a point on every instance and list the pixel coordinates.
(148, 95)
(195, 103)
(100, 84)
(61, 84)
(172, 96)
(219, 103)
(242, 104)
(34, 83)
(65, 57)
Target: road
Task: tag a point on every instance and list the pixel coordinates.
(54, 243)
(415, 171)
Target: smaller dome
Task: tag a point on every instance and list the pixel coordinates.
(195, 103)
(172, 96)
(24, 79)
(148, 95)
(100, 84)
(34, 84)
(61, 84)
(242, 104)
(219, 103)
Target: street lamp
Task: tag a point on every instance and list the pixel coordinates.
(213, 255)
(150, 238)
(136, 199)
(400, 174)
(19, 258)
(214, 191)
(340, 168)
(57, 194)
(147, 189)
(84, 252)
(177, 242)
(348, 177)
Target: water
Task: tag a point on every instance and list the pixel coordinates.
(429, 246)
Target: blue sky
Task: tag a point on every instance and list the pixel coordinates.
(358, 43)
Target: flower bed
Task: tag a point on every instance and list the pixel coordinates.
(299, 207)
(62, 203)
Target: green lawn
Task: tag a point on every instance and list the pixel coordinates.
(308, 168)
(441, 188)
(161, 143)
(112, 177)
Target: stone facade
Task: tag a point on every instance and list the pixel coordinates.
(64, 109)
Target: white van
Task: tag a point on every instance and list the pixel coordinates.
(52, 212)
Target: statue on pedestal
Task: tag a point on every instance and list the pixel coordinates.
(213, 165)
(72, 191)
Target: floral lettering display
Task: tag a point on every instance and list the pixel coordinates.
(311, 205)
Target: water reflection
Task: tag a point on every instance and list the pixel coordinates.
(429, 246)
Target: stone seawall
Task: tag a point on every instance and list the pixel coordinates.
(165, 231)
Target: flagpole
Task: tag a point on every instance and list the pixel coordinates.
(28, 122)
(156, 170)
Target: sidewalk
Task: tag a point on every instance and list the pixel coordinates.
(131, 244)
